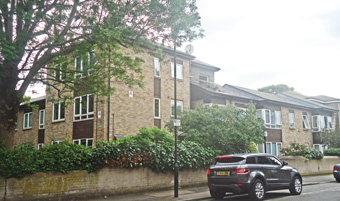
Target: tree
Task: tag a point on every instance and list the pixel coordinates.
(36, 33)
(227, 129)
(331, 138)
(276, 88)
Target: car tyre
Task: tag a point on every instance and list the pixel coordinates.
(296, 186)
(217, 195)
(257, 190)
(337, 180)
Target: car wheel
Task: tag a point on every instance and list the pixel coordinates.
(296, 186)
(337, 180)
(217, 195)
(257, 191)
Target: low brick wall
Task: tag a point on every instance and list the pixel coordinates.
(311, 167)
(107, 181)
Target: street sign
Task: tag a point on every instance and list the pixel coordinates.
(177, 122)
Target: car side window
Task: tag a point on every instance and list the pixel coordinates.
(251, 160)
(263, 160)
(275, 161)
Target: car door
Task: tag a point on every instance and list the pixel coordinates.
(281, 175)
(267, 168)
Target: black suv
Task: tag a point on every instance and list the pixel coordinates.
(253, 174)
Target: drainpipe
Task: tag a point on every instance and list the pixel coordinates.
(108, 104)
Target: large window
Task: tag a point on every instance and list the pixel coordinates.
(320, 123)
(88, 142)
(28, 120)
(60, 72)
(179, 108)
(59, 111)
(291, 120)
(271, 148)
(83, 107)
(272, 118)
(305, 123)
(179, 71)
(83, 64)
(157, 67)
(41, 119)
(157, 108)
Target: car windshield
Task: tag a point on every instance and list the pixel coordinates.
(227, 159)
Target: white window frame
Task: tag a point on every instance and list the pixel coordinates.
(40, 145)
(157, 67)
(88, 114)
(291, 117)
(41, 119)
(305, 122)
(321, 123)
(179, 103)
(179, 71)
(269, 122)
(277, 147)
(29, 116)
(78, 141)
(57, 141)
(59, 118)
(203, 80)
(89, 60)
(157, 116)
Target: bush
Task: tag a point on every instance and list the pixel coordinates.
(313, 154)
(332, 152)
(295, 149)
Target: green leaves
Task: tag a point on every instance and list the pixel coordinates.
(225, 129)
(152, 148)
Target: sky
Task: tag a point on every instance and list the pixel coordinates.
(265, 42)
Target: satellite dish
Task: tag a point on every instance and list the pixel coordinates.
(189, 49)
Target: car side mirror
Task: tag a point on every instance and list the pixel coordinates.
(284, 163)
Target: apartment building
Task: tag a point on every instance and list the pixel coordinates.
(90, 118)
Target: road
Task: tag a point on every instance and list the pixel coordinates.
(326, 191)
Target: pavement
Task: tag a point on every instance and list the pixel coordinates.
(196, 193)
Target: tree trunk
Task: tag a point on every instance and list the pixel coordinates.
(10, 100)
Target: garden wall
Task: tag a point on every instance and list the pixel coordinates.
(108, 181)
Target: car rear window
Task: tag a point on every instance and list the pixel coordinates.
(223, 160)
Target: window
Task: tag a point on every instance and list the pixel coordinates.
(60, 72)
(157, 108)
(305, 123)
(40, 145)
(41, 119)
(88, 142)
(28, 120)
(179, 108)
(179, 71)
(320, 147)
(291, 120)
(263, 160)
(157, 67)
(83, 107)
(272, 118)
(251, 160)
(320, 123)
(273, 148)
(59, 111)
(83, 64)
(57, 141)
(275, 161)
(203, 78)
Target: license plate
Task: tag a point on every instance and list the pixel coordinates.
(223, 173)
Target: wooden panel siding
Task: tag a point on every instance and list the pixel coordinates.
(83, 129)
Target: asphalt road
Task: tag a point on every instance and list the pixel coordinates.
(318, 192)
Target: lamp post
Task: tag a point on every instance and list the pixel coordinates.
(175, 105)
(265, 135)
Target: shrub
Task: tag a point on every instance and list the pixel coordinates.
(332, 152)
(313, 154)
(295, 149)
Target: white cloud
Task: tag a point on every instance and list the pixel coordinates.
(259, 43)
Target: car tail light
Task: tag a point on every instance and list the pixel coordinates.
(336, 168)
(242, 171)
(240, 184)
(223, 157)
(209, 171)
